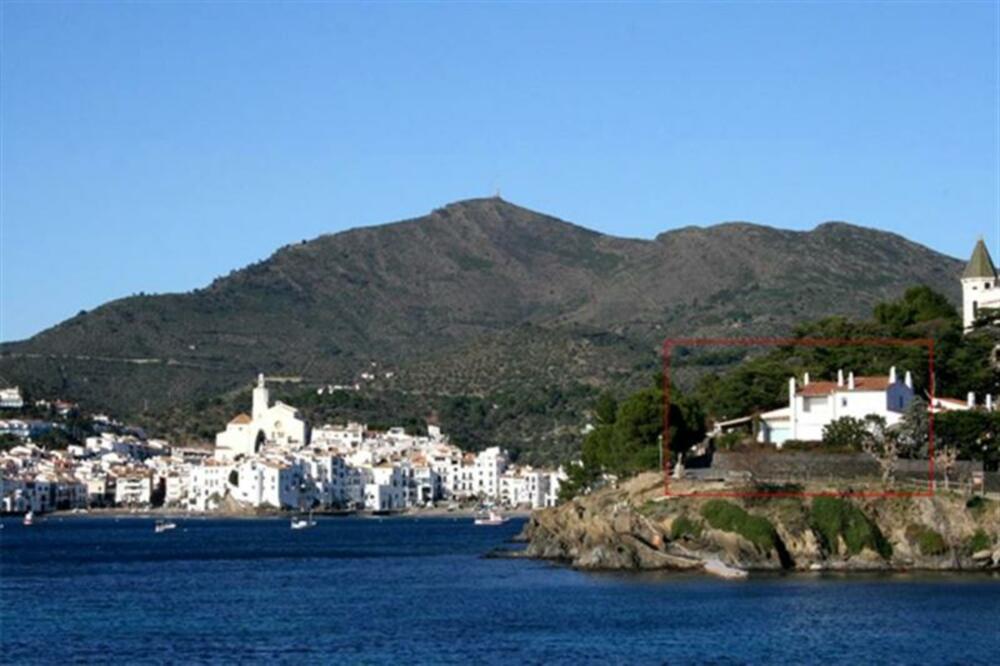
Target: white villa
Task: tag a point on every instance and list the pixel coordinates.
(813, 405)
(278, 424)
(980, 288)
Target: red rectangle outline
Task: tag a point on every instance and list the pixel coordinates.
(670, 343)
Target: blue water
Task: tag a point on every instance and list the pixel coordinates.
(357, 590)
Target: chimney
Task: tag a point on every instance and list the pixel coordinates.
(805, 379)
(972, 399)
(892, 375)
(909, 379)
(840, 377)
(791, 392)
(850, 380)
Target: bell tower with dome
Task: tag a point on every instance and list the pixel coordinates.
(979, 285)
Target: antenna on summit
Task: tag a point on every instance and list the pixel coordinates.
(496, 190)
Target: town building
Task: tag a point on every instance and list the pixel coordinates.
(11, 398)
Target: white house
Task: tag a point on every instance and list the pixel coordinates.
(268, 483)
(344, 438)
(385, 490)
(490, 464)
(279, 425)
(980, 288)
(941, 404)
(207, 485)
(133, 487)
(10, 398)
(813, 405)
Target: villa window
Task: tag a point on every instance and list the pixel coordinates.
(843, 402)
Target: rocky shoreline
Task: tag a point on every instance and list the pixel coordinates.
(633, 527)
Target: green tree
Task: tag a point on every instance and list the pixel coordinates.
(846, 433)
(918, 305)
(605, 408)
(974, 434)
(914, 430)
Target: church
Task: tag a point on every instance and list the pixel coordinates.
(278, 425)
(979, 285)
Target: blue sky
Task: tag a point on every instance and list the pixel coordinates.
(153, 147)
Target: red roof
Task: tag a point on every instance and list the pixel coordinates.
(860, 384)
(817, 388)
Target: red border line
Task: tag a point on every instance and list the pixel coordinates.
(670, 343)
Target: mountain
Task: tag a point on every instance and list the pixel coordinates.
(478, 297)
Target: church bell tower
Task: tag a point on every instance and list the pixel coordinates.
(979, 284)
(261, 399)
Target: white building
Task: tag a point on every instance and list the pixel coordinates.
(133, 487)
(386, 488)
(814, 405)
(279, 425)
(490, 464)
(940, 404)
(343, 438)
(268, 483)
(208, 485)
(10, 398)
(980, 288)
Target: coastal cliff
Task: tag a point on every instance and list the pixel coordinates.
(633, 526)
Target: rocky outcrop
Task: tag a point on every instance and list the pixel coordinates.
(633, 527)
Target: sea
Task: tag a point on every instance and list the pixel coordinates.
(356, 590)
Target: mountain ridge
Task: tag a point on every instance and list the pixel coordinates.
(478, 294)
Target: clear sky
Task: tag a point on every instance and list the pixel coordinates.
(153, 147)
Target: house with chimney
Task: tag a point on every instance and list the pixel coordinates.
(812, 405)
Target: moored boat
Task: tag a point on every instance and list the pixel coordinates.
(300, 523)
(492, 518)
(164, 525)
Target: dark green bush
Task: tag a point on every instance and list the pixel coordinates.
(685, 527)
(832, 517)
(978, 541)
(928, 541)
(728, 517)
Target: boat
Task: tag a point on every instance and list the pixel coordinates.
(164, 525)
(300, 523)
(29, 519)
(492, 518)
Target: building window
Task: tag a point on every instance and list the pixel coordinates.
(843, 402)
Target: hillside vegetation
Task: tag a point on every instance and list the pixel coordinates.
(479, 302)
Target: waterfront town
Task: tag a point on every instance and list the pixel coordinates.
(273, 459)
(268, 459)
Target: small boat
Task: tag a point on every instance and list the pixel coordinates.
(164, 525)
(29, 519)
(300, 523)
(492, 518)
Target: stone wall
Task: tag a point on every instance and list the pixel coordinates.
(804, 466)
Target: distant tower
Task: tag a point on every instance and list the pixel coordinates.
(261, 399)
(979, 284)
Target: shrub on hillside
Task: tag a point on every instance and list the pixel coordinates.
(728, 517)
(928, 541)
(685, 527)
(980, 540)
(833, 518)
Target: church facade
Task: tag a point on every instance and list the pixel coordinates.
(979, 285)
(278, 425)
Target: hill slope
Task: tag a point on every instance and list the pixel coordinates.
(476, 296)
